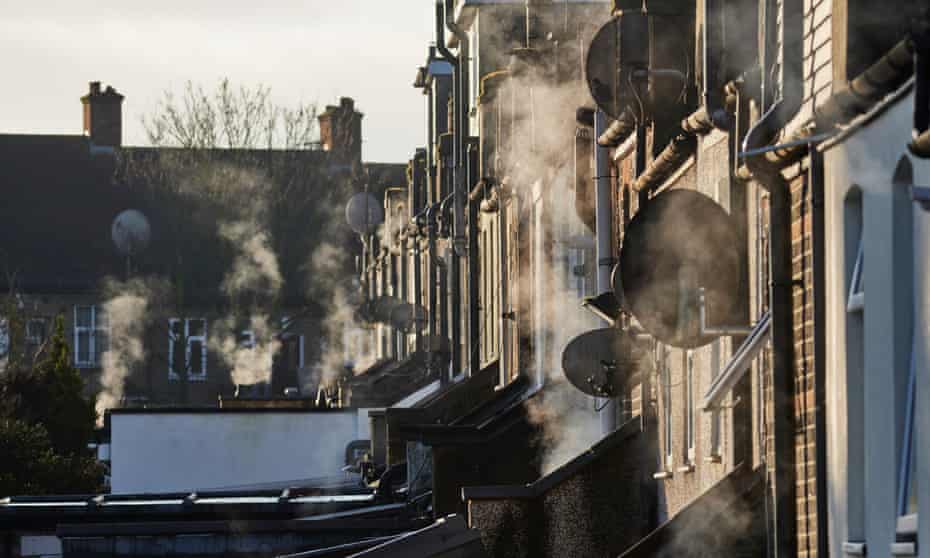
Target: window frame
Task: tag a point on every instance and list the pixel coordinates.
(668, 417)
(189, 340)
(855, 301)
(690, 420)
(93, 331)
(907, 442)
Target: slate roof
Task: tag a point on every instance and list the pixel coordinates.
(60, 195)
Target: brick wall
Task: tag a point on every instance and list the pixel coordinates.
(804, 398)
(596, 506)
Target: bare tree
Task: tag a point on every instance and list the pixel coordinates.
(229, 118)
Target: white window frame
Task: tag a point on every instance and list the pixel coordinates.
(93, 331)
(714, 454)
(33, 339)
(856, 300)
(907, 442)
(668, 416)
(690, 418)
(190, 340)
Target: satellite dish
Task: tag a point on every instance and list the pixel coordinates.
(364, 213)
(601, 363)
(679, 242)
(131, 232)
(619, 48)
(408, 317)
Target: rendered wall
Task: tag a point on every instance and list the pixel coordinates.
(158, 451)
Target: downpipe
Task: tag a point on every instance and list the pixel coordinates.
(780, 294)
(459, 133)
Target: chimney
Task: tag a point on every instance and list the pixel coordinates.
(103, 116)
(341, 132)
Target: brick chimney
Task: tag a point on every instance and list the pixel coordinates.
(341, 132)
(103, 115)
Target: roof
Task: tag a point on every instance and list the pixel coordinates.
(444, 537)
(728, 519)
(615, 439)
(61, 194)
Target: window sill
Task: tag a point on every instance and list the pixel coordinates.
(854, 548)
(663, 475)
(191, 379)
(687, 468)
(715, 458)
(904, 549)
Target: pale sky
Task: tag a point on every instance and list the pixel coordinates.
(306, 50)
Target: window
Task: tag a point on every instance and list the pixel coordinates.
(191, 335)
(36, 333)
(91, 336)
(689, 407)
(4, 341)
(855, 366)
(856, 300)
(907, 479)
(715, 456)
(903, 257)
(575, 271)
(666, 379)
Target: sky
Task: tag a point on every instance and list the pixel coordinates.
(304, 50)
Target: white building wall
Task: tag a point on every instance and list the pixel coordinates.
(867, 160)
(162, 452)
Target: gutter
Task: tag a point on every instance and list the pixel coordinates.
(618, 131)
(699, 123)
(682, 146)
(920, 146)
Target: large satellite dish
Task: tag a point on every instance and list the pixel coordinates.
(131, 232)
(602, 363)
(364, 213)
(618, 50)
(679, 242)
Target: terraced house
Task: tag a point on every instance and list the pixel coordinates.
(618, 306)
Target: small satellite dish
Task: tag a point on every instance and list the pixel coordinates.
(679, 242)
(364, 213)
(602, 362)
(131, 232)
(619, 48)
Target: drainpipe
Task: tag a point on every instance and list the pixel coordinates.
(609, 408)
(769, 176)
(459, 133)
